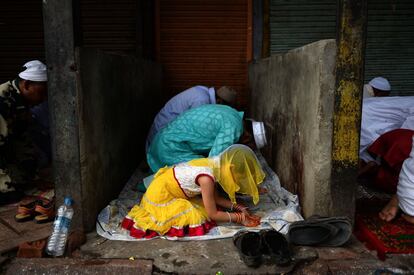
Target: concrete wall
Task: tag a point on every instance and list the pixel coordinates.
(294, 94)
(117, 99)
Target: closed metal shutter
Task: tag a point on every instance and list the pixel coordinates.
(294, 23)
(21, 36)
(109, 25)
(204, 43)
(390, 44)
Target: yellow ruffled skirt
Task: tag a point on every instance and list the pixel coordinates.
(166, 210)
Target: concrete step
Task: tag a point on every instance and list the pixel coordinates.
(78, 266)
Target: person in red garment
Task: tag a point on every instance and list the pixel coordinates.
(393, 171)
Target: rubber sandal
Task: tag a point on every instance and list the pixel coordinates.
(45, 211)
(310, 232)
(275, 246)
(25, 212)
(249, 247)
(344, 226)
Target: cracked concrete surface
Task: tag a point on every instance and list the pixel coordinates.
(209, 257)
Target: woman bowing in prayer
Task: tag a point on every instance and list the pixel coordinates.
(203, 131)
(184, 200)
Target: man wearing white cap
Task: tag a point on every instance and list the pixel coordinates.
(188, 99)
(17, 165)
(377, 87)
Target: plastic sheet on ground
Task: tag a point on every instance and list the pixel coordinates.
(277, 207)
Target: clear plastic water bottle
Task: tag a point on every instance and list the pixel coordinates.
(57, 241)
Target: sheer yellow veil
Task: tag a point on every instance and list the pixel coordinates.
(237, 170)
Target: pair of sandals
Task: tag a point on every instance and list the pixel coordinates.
(269, 244)
(321, 231)
(41, 210)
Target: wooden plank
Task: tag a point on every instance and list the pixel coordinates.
(6, 234)
(21, 228)
(9, 240)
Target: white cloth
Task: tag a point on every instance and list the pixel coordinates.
(381, 115)
(35, 71)
(405, 187)
(380, 83)
(188, 99)
(408, 123)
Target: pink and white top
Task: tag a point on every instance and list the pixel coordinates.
(187, 177)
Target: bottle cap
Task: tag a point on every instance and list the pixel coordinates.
(68, 201)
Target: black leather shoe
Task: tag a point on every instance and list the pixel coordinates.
(276, 247)
(249, 247)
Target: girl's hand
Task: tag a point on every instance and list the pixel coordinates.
(247, 220)
(244, 210)
(251, 221)
(254, 217)
(240, 208)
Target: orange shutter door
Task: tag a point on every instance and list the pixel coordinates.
(204, 43)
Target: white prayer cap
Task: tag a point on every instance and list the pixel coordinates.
(35, 71)
(380, 83)
(259, 133)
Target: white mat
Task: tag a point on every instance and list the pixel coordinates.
(278, 208)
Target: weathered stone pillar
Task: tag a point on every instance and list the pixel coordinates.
(351, 36)
(62, 89)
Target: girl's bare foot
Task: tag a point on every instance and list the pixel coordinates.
(389, 212)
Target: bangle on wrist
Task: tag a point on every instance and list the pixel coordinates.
(240, 207)
(228, 214)
(238, 217)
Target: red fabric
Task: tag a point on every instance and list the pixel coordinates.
(150, 234)
(203, 229)
(395, 237)
(176, 232)
(203, 175)
(136, 233)
(392, 237)
(393, 148)
(127, 223)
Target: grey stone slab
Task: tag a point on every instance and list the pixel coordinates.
(187, 257)
(79, 266)
(293, 94)
(116, 101)
(209, 257)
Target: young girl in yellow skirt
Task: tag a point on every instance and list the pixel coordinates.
(183, 199)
